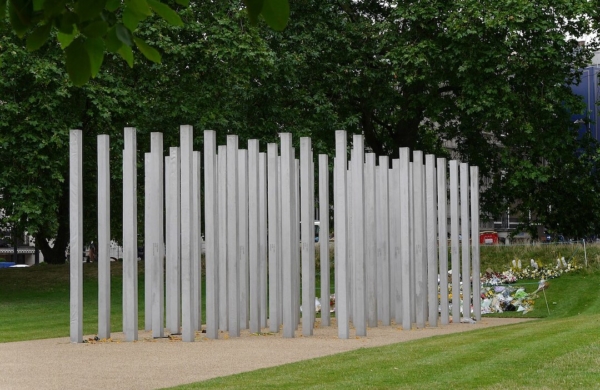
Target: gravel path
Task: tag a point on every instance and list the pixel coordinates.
(152, 364)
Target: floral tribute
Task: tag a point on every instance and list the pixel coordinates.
(499, 293)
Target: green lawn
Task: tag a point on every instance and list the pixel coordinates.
(561, 351)
(34, 302)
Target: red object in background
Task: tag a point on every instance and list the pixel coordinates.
(488, 238)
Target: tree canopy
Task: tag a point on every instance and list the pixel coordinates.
(490, 78)
(86, 29)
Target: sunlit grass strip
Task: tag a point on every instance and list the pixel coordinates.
(536, 354)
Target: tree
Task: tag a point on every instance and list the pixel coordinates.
(86, 29)
(492, 77)
(37, 108)
(40, 104)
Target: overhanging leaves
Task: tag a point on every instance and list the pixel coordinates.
(95, 50)
(78, 62)
(95, 29)
(65, 39)
(113, 5)
(139, 7)
(20, 13)
(165, 12)
(127, 54)
(148, 51)
(89, 9)
(276, 13)
(254, 9)
(38, 37)
(124, 34)
(113, 43)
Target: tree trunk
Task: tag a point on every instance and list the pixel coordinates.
(404, 134)
(55, 254)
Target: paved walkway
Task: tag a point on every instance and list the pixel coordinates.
(152, 364)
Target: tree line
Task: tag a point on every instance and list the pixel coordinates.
(492, 77)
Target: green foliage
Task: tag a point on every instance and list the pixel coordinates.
(95, 19)
(403, 74)
(39, 105)
(490, 79)
(191, 84)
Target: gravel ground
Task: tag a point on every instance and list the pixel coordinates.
(152, 364)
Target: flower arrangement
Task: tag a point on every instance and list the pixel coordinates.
(498, 299)
(534, 271)
(499, 294)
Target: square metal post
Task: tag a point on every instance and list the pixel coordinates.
(130, 239)
(442, 202)
(244, 279)
(432, 239)
(454, 240)
(76, 235)
(383, 236)
(187, 309)
(233, 236)
(210, 235)
(103, 236)
(341, 234)
(465, 244)
(263, 247)
(475, 242)
(274, 237)
(196, 241)
(405, 238)
(253, 235)
(173, 240)
(222, 237)
(370, 240)
(324, 237)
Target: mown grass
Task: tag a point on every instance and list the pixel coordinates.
(34, 302)
(559, 352)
